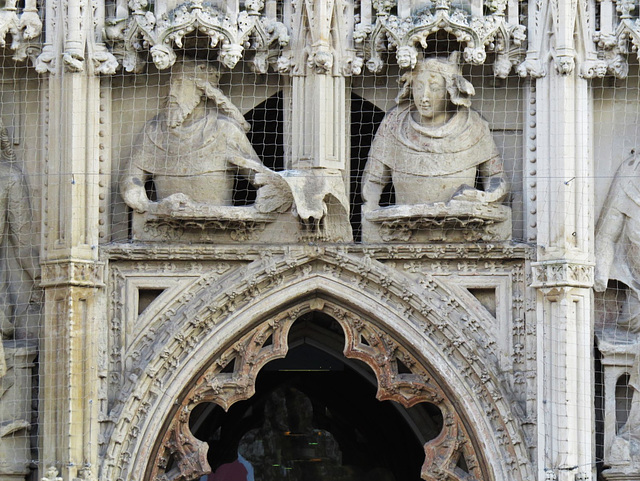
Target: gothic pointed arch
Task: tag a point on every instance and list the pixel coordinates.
(387, 318)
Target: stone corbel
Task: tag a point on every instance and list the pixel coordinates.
(619, 35)
(159, 31)
(565, 60)
(594, 68)
(24, 27)
(478, 34)
(320, 204)
(45, 62)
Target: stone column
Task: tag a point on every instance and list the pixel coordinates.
(563, 273)
(319, 174)
(72, 274)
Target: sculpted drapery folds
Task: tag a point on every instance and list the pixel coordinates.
(19, 266)
(19, 323)
(193, 150)
(431, 145)
(617, 254)
(618, 240)
(434, 149)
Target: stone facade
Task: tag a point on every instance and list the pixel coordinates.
(158, 260)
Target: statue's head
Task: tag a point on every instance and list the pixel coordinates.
(190, 81)
(435, 85)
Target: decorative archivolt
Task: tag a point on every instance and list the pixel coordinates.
(498, 32)
(181, 455)
(424, 314)
(162, 29)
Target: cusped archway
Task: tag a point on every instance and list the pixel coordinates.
(388, 321)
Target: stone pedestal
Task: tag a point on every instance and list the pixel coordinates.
(15, 411)
(454, 221)
(615, 475)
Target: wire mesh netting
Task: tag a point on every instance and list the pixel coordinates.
(207, 143)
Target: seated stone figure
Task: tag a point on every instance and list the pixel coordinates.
(193, 150)
(438, 154)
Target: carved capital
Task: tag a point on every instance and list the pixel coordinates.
(562, 273)
(73, 273)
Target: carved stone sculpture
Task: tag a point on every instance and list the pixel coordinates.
(192, 152)
(19, 262)
(432, 147)
(15, 410)
(18, 268)
(617, 246)
(621, 366)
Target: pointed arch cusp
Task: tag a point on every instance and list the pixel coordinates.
(363, 341)
(422, 317)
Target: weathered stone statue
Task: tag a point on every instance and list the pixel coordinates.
(18, 271)
(18, 260)
(618, 241)
(193, 150)
(617, 249)
(438, 154)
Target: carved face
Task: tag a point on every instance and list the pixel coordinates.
(429, 90)
(184, 97)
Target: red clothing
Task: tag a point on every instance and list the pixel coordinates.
(230, 472)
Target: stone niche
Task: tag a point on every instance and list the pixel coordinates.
(617, 272)
(200, 178)
(310, 207)
(442, 162)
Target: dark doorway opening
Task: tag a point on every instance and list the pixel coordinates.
(315, 417)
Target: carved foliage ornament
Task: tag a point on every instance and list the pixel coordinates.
(160, 360)
(232, 376)
(477, 33)
(615, 40)
(159, 32)
(23, 26)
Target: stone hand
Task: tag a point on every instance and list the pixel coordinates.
(470, 194)
(137, 199)
(176, 202)
(600, 280)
